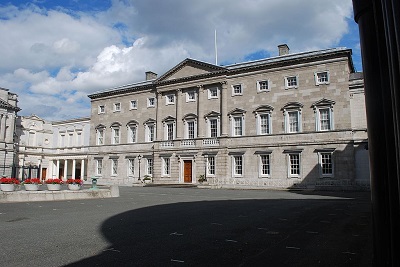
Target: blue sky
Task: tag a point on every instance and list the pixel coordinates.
(56, 52)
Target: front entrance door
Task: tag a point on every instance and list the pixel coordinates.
(187, 171)
(44, 173)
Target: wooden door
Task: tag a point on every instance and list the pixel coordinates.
(187, 171)
(44, 173)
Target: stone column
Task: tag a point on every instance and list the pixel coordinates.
(178, 107)
(65, 169)
(224, 109)
(58, 169)
(201, 102)
(82, 169)
(73, 168)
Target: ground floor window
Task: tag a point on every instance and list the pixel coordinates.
(265, 167)
(131, 167)
(294, 164)
(210, 165)
(237, 162)
(149, 166)
(114, 166)
(99, 166)
(326, 164)
(166, 166)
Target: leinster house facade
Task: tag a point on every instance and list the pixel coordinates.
(290, 121)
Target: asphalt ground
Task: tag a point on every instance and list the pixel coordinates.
(151, 226)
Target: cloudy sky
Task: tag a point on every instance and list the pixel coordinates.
(55, 52)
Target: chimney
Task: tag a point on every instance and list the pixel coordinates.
(283, 49)
(150, 75)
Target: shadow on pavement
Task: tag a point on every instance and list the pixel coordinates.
(281, 232)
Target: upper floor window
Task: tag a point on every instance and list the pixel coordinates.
(213, 92)
(151, 102)
(132, 131)
(292, 117)
(190, 122)
(149, 127)
(263, 119)
(117, 107)
(237, 89)
(133, 104)
(291, 82)
(237, 121)
(102, 109)
(263, 86)
(190, 96)
(100, 129)
(213, 122)
(116, 132)
(169, 128)
(321, 77)
(170, 99)
(323, 110)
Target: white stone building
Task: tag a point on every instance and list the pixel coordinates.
(295, 120)
(53, 149)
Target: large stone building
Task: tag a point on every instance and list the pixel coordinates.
(52, 149)
(295, 120)
(8, 113)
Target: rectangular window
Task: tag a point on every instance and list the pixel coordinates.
(324, 119)
(264, 123)
(190, 129)
(190, 96)
(166, 166)
(212, 93)
(237, 126)
(114, 166)
(293, 121)
(238, 165)
(100, 136)
(210, 165)
(170, 131)
(132, 133)
(117, 107)
(326, 164)
(291, 82)
(170, 99)
(116, 133)
(237, 89)
(321, 78)
(265, 168)
(151, 102)
(150, 132)
(294, 165)
(102, 109)
(213, 127)
(262, 86)
(131, 167)
(149, 167)
(99, 166)
(133, 104)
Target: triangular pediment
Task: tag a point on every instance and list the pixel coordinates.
(189, 68)
(323, 102)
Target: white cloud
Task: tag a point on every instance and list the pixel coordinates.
(56, 56)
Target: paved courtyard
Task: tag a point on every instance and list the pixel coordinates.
(153, 226)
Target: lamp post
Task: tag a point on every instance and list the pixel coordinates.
(139, 158)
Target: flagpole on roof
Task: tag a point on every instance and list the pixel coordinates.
(215, 46)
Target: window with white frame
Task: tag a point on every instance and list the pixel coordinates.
(133, 104)
(323, 110)
(210, 165)
(99, 166)
(115, 135)
(190, 129)
(213, 123)
(149, 132)
(325, 159)
(237, 89)
(264, 165)
(237, 165)
(166, 166)
(263, 119)
(292, 117)
(236, 117)
(190, 96)
(102, 109)
(294, 164)
(131, 166)
(151, 102)
(114, 166)
(100, 135)
(117, 107)
(149, 166)
(213, 92)
(291, 82)
(263, 86)
(321, 77)
(170, 99)
(132, 133)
